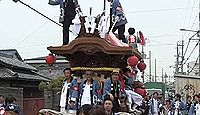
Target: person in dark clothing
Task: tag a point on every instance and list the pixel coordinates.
(113, 89)
(11, 106)
(188, 103)
(118, 19)
(69, 14)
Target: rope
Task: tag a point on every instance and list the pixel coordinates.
(93, 68)
(40, 13)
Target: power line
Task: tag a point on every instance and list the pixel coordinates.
(191, 13)
(189, 19)
(188, 44)
(191, 53)
(38, 12)
(165, 35)
(186, 12)
(193, 65)
(160, 45)
(159, 10)
(30, 34)
(191, 28)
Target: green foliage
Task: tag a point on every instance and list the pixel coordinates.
(53, 84)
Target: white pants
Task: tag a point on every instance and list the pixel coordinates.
(131, 95)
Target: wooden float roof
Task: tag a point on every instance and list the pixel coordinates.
(91, 45)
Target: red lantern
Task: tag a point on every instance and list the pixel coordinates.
(141, 66)
(50, 59)
(132, 61)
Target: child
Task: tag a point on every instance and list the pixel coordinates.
(131, 38)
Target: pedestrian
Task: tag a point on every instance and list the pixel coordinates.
(69, 92)
(11, 106)
(154, 104)
(188, 103)
(119, 19)
(195, 106)
(177, 107)
(2, 104)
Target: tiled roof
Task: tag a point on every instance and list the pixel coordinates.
(11, 52)
(33, 76)
(6, 73)
(15, 63)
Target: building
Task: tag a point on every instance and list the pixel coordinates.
(50, 71)
(21, 81)
(187, 85)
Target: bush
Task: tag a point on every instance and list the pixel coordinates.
(53, 84)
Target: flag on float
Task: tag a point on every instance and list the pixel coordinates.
(140, 38)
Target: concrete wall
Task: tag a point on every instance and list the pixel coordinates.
(51, 99)
(187, 86)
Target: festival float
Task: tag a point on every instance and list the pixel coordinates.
(89, 50)
(97, 48)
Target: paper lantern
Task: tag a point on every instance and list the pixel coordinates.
(50, 59)
(132, 61)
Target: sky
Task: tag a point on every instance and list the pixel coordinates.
(160, 21)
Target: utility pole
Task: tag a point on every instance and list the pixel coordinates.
(162, 76)
(179, 58)
(155, 70)
(199, 37)
(150, 66)
(143, 57)
(182, 57)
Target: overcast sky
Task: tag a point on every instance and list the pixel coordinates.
(160, 21)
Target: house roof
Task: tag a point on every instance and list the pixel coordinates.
(13, 67)
(6, 73)
(12, 53)
(41, 60)
(15, 63)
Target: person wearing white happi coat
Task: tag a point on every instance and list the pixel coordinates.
(195, 107)
(69, 92)
(177, 106)
(88, 90)
(154, 105)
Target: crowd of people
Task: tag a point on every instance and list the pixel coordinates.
(89, 97)
(111, 95)
(8, 106)
(89, 91)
